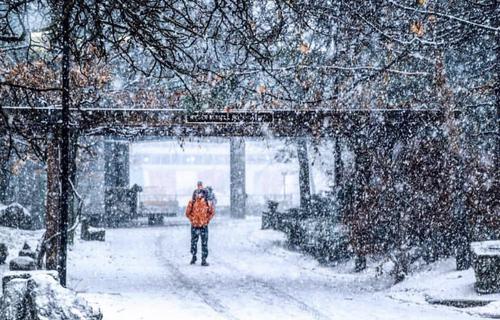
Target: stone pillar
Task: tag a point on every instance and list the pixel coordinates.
(90, 179)
(304, 176)
(116, 155)
(116, 181)
(237, 186)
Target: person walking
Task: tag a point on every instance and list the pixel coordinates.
(199, 211)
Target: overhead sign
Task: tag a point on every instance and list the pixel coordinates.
(229, 117)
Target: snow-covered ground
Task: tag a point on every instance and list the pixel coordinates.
(144, 273)
(440, 281)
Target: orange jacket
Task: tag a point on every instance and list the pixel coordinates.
(199, 212)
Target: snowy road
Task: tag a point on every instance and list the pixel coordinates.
(144, 273)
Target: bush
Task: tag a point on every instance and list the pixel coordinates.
(318, 233)
(325, 240)
(16, 216)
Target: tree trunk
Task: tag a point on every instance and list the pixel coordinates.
(4, 169)
(66, 191)
(455, 166)
(360, 224)
(496, 174)
(339, 166)
(52, 205)
(72, 176)
(304, 183)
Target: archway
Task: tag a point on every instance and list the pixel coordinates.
(397, 126)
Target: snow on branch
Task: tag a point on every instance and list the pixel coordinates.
(447, 16)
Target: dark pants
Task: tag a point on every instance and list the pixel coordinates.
(196, 232)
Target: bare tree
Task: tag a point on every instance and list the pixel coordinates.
(72, 55)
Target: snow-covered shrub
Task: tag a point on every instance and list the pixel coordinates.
(39, 296)
(324, 239)
(319, 232)
(16, 216)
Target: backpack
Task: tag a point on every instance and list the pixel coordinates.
(211, 195)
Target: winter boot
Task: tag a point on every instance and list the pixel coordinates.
(193, 260)
(204, 263)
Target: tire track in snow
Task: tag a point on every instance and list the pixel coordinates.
(246, 284)
(318, 315)
(315, 313)
(186, 283)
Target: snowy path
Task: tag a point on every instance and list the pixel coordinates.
(144, 273)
